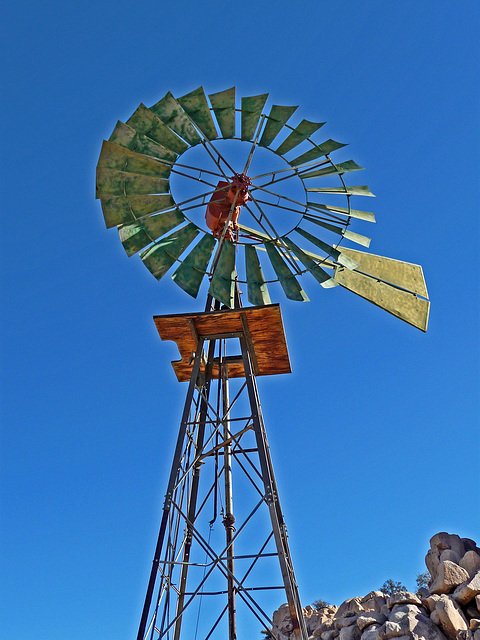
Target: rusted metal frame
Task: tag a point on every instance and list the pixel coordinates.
(249, 341)
(279, 206)
(186, 175)
(254, 144)
(168, 497)
(192, 503)
(217, 562)
(225, 442)
(278, 195)
(272, 500)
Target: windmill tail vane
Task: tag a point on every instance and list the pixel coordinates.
(234, 193)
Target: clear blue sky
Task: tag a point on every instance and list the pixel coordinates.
(374, 435)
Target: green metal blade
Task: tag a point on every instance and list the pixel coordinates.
(317, 152)
(112, 156)
(190, 273)
(172, 114)
(341, 258)
(303, 131)
(289, 283)
(251, 111)
(159, 258)
(127, 137)
(362, 190)
(124, 209)
(402, 304)
(222, 286)
(342, 167)
(138, 235)
(257, 289)
(349, 235)
(276, 119)
(223, 104)
(354, 213)
(317, 272)
(145, 121)
(119, 183)
(402, 274)
(196, 105)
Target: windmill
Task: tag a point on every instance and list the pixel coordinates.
(239, 199)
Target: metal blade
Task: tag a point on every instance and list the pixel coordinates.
(354, 213)
(222, 286)
(138, 235)
(342, 167)
(196, 105)
(303, 131)
(251, 111)
(402, 274)
(330, 251)
(127, 137)
(124, 209)
(289, 283)
(276, 119)
(172, 114)
(349, 235)
(317, 272)
(159, 258)
(190, 273)
(402, 304)
(257, 289)
(145, 121)
(120, 183)
(223, 104)
(320, 150)
(112, 156)
(362, 190)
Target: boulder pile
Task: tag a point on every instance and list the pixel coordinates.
(448, 610)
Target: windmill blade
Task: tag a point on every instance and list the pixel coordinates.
(222, 286)
(317, 152)
(402, 304)
(138, 235)
(289, 283)
(145, 121)
(303, 131)
(159, 258)
(124, 209)
(257, 289)
(112, 156)
(362, 190)
(172, 114)
(251, 111)
(276, 119)
(354, 213)
(317, 272)
(223, 104)
(342, 167)
(190, 273)
(196, 105)
(111, 182)
(349, 235)
(341, 258)
(127, 137)
(401, 274)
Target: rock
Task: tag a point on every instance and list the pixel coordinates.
(352, 605)
(430, 602)
(450, 554)
(392, 630)
(474, 624)
(402, 597)
(326, 625)
(400, 611)
(472, 612)
(330, 635)
(369, 618)
(468, 591)
(370, 631)
(476, 635)
(281, 619)
(340, 623)
(373, 601)
(449, 617)
(471, 563)
(477, 602)
(470, 545)
(350, 633)
(448, 541)
(449, 575)
(423, 592)
(416, 624)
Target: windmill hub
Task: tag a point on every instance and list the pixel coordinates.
(225, 205)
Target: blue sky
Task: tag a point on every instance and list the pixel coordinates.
(374, 435)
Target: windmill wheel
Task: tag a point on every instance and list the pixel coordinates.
(267, 205)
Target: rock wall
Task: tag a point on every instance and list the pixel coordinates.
(448, 610)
